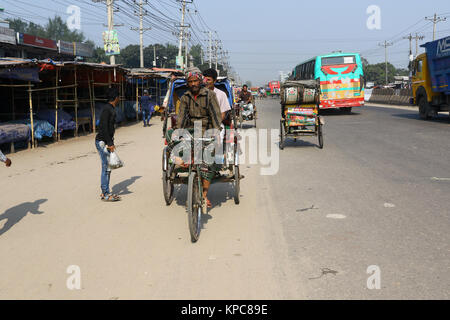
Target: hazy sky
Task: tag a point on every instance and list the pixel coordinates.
(264, 37)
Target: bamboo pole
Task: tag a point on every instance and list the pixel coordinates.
(137, 101)
(76, 101)
(93, 98)
(56, 105)
(31, 114)
(13, 104)
(92, 103)
(123, 95)
(52, 88)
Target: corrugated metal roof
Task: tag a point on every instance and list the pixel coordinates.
(7, 62)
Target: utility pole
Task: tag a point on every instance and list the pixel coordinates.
(187, 36)
(435, 20)
(111, 25)
(209, 47)
(386, 45)
(141, 30)
(182, 26)
(417, 37)
(410, 37)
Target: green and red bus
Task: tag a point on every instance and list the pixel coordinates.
(341, 79)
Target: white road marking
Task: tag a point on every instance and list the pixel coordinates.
(389, 205)
(336, 216)
(440, 179)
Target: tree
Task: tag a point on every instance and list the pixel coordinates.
(55, 29)
(196, 53)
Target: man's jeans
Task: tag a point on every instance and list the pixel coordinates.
(106, 172)
(146, 116)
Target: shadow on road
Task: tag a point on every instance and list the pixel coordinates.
(17, 213)
(336, 112)
(415, 116)
(291, 143)
(122, 187)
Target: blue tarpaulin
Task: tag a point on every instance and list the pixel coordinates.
(65, 121)
(42, 128)
(14, 132)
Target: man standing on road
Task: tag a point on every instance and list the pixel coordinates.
(4, 159)
(200, 104)
(147, 110)
(105, 138)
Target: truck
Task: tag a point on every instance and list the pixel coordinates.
(431, 78)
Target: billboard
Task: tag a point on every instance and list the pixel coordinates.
(83, 50)
(66, 47)
(7, 35)
(33, 41)
(111, 43)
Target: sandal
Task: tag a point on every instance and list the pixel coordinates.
(111, 198)
(208, 203)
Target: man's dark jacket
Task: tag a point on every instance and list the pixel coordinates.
(106, 127)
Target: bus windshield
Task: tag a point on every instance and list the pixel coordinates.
(332, 61)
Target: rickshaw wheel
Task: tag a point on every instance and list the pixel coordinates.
(237, 184)
(194, 202)
(167, 183)
(320, 135)
(282, 135)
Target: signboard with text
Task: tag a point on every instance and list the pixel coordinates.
(29, 40)
(83, 50)
(7, 35)
(66, 47)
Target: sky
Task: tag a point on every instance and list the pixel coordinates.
(262, 37)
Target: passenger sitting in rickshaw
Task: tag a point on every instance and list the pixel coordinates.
(210, 78)
(246, 97)
(200, 104)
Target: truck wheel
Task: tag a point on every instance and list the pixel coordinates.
(424, 108)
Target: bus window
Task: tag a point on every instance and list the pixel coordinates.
(329, 61)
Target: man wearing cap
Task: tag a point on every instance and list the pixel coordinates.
(146, 108)
(200, 104)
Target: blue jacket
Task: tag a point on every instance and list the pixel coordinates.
(146, 103)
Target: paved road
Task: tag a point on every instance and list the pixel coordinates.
(376, 194)
(370, 197)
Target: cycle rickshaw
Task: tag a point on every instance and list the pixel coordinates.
(300, 111)
(190, 173)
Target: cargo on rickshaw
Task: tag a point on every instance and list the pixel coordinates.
(300, 111)
(190, 173)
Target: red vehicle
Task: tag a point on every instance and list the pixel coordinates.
(274, 88)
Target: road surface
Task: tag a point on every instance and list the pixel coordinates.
(376, 195)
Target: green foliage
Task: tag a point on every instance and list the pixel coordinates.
(55, 29)
(377, 72)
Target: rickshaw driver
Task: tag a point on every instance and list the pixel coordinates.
(200, 104)
(246, 97)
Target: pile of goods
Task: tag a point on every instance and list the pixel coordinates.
(299, 103)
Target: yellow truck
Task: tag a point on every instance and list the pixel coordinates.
(431, 78)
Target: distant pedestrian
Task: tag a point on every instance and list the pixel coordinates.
(105, 138)
(147, 108)
(4, 159)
